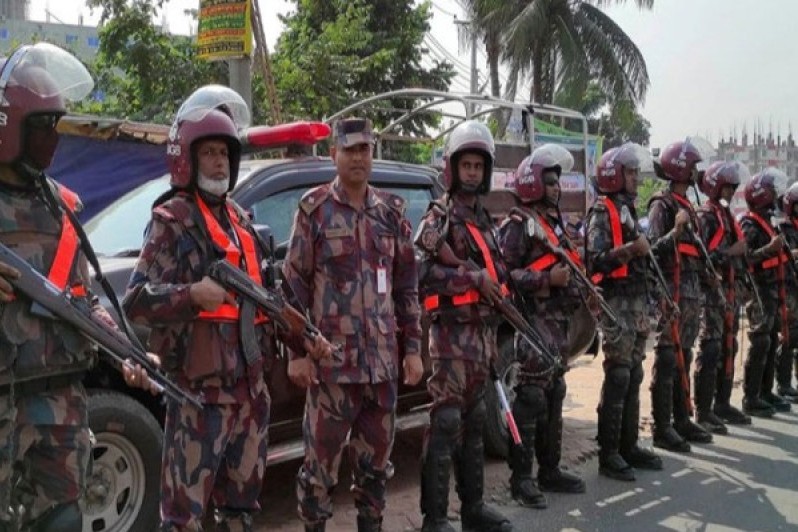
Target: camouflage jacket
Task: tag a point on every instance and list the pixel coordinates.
(448, 256)
(662, 218)
(718, 230)
(203, 355)
(757, 238)
(599, 245)
(355, 271)
(31, 345)
(521, 252)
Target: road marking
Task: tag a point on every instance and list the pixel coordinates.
(647, 506)
(619, 497)
(681, 473)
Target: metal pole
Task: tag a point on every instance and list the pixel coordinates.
(241, 78)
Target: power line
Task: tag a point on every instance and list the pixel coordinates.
(442, 10)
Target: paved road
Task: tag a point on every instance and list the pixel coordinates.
(745, 481)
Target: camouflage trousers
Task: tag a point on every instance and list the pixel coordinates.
(44, 452)
(629, 348)
(217, 453)
(366, 413)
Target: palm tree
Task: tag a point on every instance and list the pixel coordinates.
(556, 42)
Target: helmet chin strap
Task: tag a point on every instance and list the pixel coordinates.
(29, 173)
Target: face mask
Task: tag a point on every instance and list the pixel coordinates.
(216, 187)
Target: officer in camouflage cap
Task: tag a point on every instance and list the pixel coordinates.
(552, 296)
(350, 262)
(460, 277)
(44, 432)
(617, 252)
(211, 345)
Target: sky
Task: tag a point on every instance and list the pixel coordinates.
(713, 64)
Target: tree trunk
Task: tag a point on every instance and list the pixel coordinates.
(493, 49)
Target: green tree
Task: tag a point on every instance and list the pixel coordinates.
(336, 52)
(142, 72)
(559, 42)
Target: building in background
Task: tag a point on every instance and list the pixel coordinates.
(761, 151)
(14, 9)
(83, 41)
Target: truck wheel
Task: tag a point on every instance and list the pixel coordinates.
(496, 433)
(122, 489)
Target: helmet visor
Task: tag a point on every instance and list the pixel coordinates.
(67, 77)
(703, 148)
(212, 97)
(633, 155)
(550, 155)
(780, 180)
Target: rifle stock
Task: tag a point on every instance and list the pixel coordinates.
(269, 301)
(67, 309)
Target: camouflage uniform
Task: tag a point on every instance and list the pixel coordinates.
(44, 432)
(789, 361)
(354, 269)
(462, 344)
(218, 452)
(625, 288)
(714, 371)
(670, 388)
(539, 400)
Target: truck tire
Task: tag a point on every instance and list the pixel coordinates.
(496, 433)
(123, 486)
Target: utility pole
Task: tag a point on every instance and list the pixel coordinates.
(467, 25)
(264, 63)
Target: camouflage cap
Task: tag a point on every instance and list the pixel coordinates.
(352, 131)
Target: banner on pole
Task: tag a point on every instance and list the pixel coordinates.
(225, 29)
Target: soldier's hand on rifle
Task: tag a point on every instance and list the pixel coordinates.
(318, 347)
(6, 290)
(137, 377)
(208, 295)
(413, 369)
(559, 275)
(302, 372)
(775, 245)
(488, 288)
(640, 247)
(682, 222)
(737, 249)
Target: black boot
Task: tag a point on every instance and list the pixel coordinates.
(435, 469)
(704, 387)
(367, 523)
(475, 515)
(232, 521)
(788, 393)
(530, 401)
(665, 436)
(685, 426)
(756, 407)
(610, 414)
(776, 401)
(548, 447)
(636, 456)
(723, 408)
(320, 526)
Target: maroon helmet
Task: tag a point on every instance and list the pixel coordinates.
(211, 112)
(721, 174)
(470, 136)
(678, 160)
(528, 183)
(790, 199)
(765, 188)
(610, 177)
(35, 82)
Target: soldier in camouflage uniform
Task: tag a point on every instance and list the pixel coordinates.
(551, 296)
(351, 263)
(714, 365)
(617, 254)
(459, 279)
(217, 452)
(44, 434)
(789, 361)
(767, 256)
(671, 219)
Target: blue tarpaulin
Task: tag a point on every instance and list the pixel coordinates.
(100, 171)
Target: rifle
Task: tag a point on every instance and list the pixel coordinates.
(269, 301)
(51, 302)
(508, 310)
(535, 231)
(702, 250)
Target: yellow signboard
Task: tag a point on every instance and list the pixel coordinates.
(225, 29)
